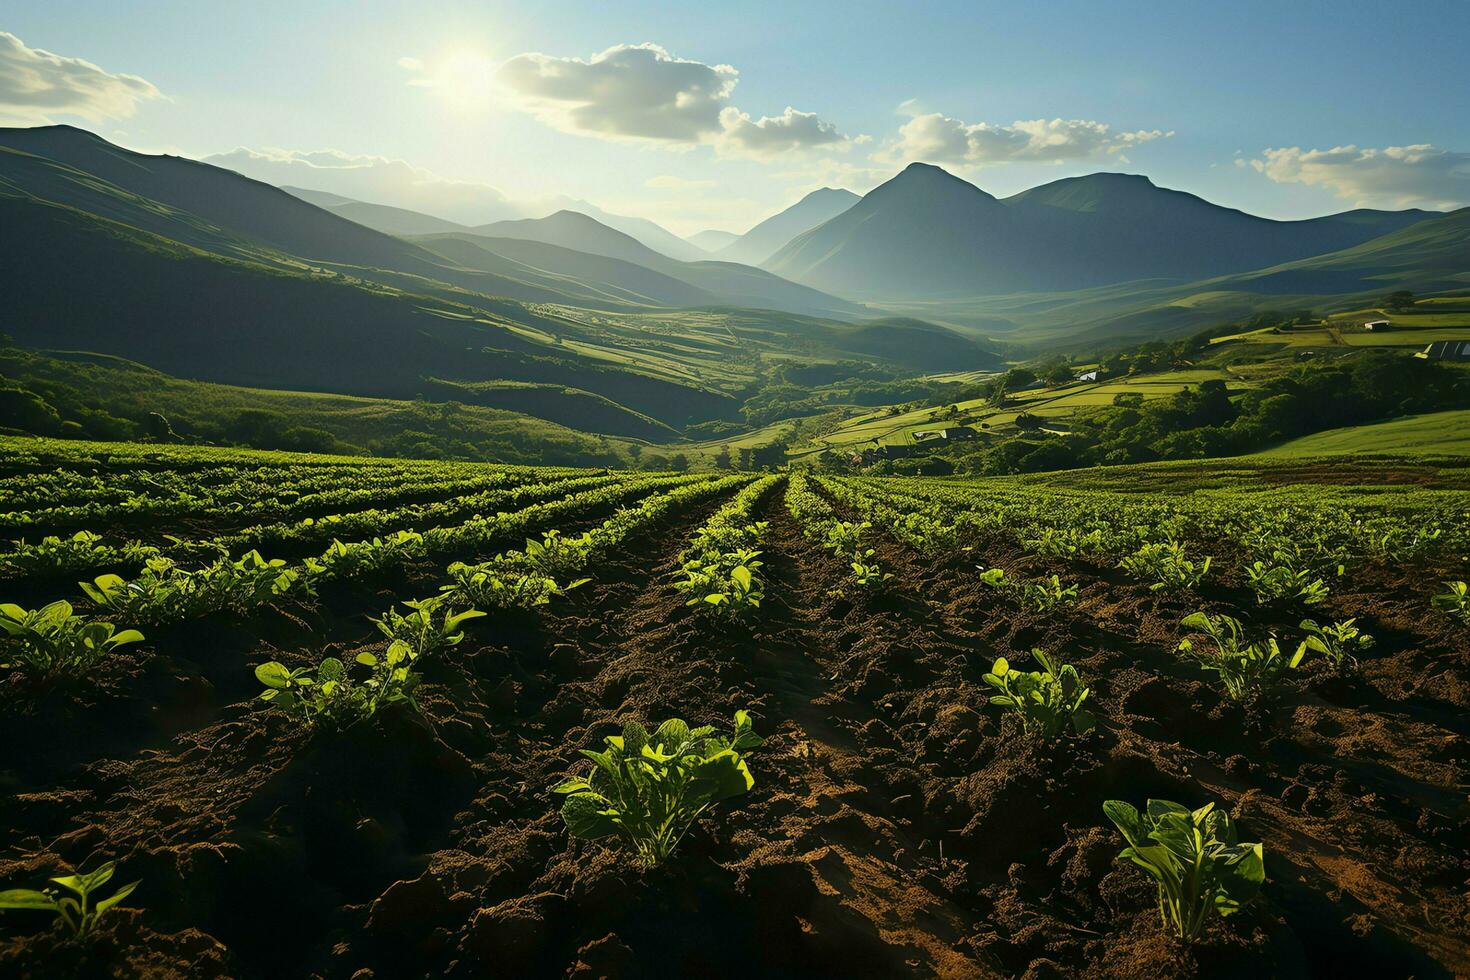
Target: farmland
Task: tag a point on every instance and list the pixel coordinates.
(1271, 636)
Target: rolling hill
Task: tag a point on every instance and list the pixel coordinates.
(927, 232)
(209, 276)
(726, 283)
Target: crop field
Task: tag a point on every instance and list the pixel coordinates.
(1051, 404)
(350, 717)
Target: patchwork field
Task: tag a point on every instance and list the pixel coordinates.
(896, 823)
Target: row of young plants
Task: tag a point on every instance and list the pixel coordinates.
(276, 493)
(54, 640)
(1283, 564)
(720, 569)
(847, 540)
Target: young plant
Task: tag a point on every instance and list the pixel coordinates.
(1046, 594)
(1283, 582)
(1246, 668)
(1165, 564)
(429, 628)
(1455, 601)
(79, 914)
(846, 537)
(330, 698)
(500, 585)
(649, 789)
(1195, 857)
(727, 584)
(1048, 701)
(1338, 642)
(165, 593)
(555, 556)
(869, 575)
(50, 641)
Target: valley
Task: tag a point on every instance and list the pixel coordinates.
(606, 492)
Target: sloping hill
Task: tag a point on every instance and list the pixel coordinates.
(380, 217)
(727, 283)
(768, 237)
(927, 232)
(82, 281)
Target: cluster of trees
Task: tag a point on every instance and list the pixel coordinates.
(1207, 420)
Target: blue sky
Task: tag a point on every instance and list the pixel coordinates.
(1191, 94)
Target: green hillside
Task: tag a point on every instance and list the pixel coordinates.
(1435, 434)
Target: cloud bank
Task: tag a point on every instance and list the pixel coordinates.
(378, 180)
(37, 86)
(642, 92)
(933, 137)
(1421, 175)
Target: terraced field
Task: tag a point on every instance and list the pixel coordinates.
(897, 823)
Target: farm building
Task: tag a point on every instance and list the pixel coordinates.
(1377, 326)
(1447, 350)
(951, 433)
(1088, 375)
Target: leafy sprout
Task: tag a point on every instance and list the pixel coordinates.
(77, 911)
(1195, 857)
(649, 789)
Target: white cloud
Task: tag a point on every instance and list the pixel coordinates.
(1393, 177)
(936, 138)
(670, 182)
(378, 180)
(636, 91)
(642, 92)
(36, 86)
(774, 135)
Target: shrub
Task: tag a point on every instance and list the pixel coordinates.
(649, 789)
(1047, 701)
(1197, 861)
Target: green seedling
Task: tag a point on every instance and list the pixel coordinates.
(1338, 642)
(1048, 701)
(1201, 868)
(51, 641)
(1246, 668)
(78, 912)
(649, 789)
(430, 627)
(1454, 601)
(1165, 566)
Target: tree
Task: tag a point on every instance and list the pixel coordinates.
(722, 458)
(679, 463)
(1399, 300)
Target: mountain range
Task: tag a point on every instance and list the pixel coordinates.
(926, 232)
(203, 273)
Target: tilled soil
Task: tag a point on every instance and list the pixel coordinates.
(899, 826)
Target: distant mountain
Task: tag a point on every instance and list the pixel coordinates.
(205, 274)
(768, 237)
(650, 233)
(571, 229)
(725, 283)
(927, 232)
(380, 217)
(712, 240)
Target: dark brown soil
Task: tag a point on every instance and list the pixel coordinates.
(898, 825)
